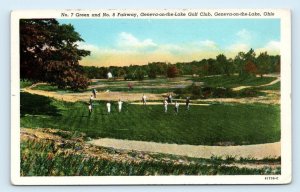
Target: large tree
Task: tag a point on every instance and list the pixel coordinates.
(49, 52)
(224, 64)
(263, 63)
(239, 62)
(250, 55)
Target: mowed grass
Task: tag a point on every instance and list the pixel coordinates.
(202, 125)
(234, 81)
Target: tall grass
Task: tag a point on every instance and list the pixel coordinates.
(25, 83)
(43, 159)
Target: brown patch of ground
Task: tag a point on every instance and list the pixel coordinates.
(106, 96)
(272, 97)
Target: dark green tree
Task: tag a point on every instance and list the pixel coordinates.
(239, 63)
(152, 73)
(140, 74)
(264, 63)
(224, 64)
(250, 56)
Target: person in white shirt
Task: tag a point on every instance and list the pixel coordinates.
(91, 99)
(108, 105)
(166, 105)
(90, 109)
(176, 107)
(120, 105)
(144, 98)
(171, 99)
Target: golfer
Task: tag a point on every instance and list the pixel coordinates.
(94, 93)
(129, 86)
(144, 98)
(108, 105)
(90, 109)
(176, 107)
(120, 105)
(91, 100)
(166, 105)
(187, 103)
(171, 99)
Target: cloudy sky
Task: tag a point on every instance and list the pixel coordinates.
(120, 42)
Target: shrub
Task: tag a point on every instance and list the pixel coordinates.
(152, 73)
(172, 71)
(198, 92)
(140, 75)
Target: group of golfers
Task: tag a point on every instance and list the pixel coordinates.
(167, 101)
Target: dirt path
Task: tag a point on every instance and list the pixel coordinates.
(104, 96)
(160, 103)
(264, 85)
(259, 151)
(273, 97)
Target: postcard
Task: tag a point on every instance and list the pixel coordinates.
(143, 97)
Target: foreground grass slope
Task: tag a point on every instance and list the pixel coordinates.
(202, 125)
(66, 154)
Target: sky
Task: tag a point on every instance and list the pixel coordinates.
(120, 42)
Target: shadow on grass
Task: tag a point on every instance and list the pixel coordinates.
(37, 105)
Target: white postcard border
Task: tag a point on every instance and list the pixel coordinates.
(286, 149)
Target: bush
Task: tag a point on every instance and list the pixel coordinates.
(172, 71)
(152, 74)
(195, 90)
(80, 82)
(221, 92)
(251, 92)
(129, 77)
(198, 92)
(140, 75)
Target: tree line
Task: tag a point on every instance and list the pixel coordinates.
(243, 64)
